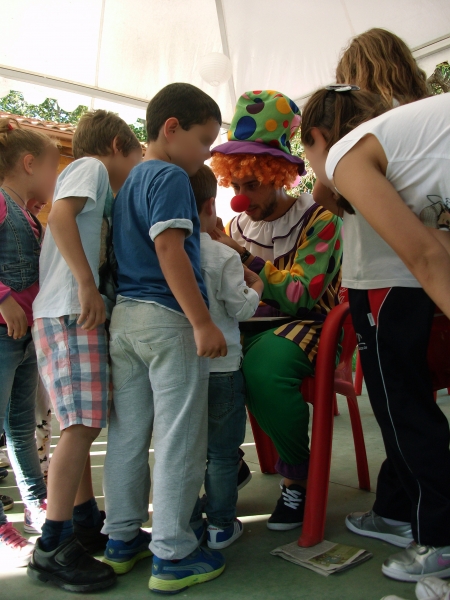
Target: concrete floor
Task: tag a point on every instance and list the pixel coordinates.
(252, 573)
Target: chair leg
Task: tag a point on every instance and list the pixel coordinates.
(336, 406)
(358, 375)
(267, 455)
(360, 446)
(319, 466)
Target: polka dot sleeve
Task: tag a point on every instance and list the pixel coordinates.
(317, 260)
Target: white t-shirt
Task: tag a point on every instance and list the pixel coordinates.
(416, 141)
(230, 299)
(58, 294)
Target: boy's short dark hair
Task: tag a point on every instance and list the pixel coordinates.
(187, 103)
(204, 185)
(96, 131)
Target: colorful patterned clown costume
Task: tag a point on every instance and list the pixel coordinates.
(298, 257)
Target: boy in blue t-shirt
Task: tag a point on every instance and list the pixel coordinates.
(162, 336)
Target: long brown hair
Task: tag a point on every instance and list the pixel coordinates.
(380, 62)
(336, 114)
(16, 141)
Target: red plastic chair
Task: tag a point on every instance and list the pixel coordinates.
(358, 375)
(320, 392)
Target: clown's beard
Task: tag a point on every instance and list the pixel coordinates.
(266, 211)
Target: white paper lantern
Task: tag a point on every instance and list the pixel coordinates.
(215, 68)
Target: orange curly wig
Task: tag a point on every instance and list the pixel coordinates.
(267, 169)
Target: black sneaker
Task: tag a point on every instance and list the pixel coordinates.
(288, 513)
(70, 567)
(91, 538)
(244, 475)
(3, 473)
(7, 502)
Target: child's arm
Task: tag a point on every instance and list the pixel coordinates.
(240, 293)
(64, 228)
(14, 316)
(178, 272)
(254, 281)
(11, 311)
(359, 176)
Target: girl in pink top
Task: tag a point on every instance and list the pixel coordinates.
(28, 169)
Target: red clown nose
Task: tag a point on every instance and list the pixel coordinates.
(240, 203)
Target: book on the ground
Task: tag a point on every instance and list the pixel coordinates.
(325, 558)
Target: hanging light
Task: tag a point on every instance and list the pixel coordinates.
(215, 68)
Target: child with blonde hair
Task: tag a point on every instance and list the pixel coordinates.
(28, 168)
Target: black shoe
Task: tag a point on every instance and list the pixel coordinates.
(91, 538)
(7, 502)
(288, 513)
(3, 473)
(244, 475)
(70, 567)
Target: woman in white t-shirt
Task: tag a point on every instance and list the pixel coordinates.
(392, 175)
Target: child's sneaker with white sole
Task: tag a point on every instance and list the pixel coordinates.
(222, 538)
(34, 517)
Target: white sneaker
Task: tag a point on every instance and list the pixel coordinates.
(416, 562)
(392, 598)
(369, 524)
(4, 460)
(222, 538)
(432, 588)
(34, 518)
(15, 550)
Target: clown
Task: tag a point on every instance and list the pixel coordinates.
(294, 245)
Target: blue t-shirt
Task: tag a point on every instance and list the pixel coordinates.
(155, 197)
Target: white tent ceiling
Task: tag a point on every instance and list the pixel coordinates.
(124, 51)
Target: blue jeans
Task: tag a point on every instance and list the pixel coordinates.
(19, 379)
(226, 432)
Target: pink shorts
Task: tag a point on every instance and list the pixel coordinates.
(74, 366)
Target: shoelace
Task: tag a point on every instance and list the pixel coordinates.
(292, 498)
(12, 537)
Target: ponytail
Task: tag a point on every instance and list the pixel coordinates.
(15, 142)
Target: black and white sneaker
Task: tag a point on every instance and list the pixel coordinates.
(288, 513)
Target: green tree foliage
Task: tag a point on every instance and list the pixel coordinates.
(49, 110)
(440, 79)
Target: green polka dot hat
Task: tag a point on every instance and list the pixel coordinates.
(264, 123)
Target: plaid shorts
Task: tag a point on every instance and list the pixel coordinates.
(74, 366)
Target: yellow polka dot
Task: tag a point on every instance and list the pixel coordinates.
(271, 125)
(271, 92)
(297, 270)
(283, 106)
(229, 135)
(273, 275)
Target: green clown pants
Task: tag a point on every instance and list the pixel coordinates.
(274, 368)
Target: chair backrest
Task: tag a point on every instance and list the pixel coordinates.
(439, 351)
(348, 344)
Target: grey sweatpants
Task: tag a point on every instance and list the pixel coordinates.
(160, 389)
